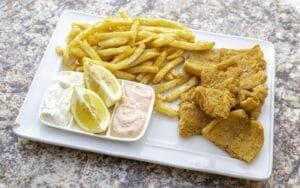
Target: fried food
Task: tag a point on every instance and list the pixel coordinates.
(174, 94)
(191, 119)
(163, 108)
(215, 102)
(220, 79)
(241, 137)
(197, 60)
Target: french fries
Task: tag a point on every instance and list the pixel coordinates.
(164, 109)
(113, 42)
(192, 46)
(147, 50)
(160, 75)
(169, 85)
(174, 94)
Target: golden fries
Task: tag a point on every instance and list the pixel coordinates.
(147, 50)
(192, 46)
(160, 75)
(89, 50)
(174, 94)
(112, 51)
(124, 75)
(113, 42)
(164, 109)
(175, 54)
(142, 68)
(169, 85)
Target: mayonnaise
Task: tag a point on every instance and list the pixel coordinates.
(131, 113)
(56, 104)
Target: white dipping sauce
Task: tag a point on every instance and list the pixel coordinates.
(55, 107)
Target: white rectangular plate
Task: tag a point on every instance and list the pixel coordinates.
(161, 144)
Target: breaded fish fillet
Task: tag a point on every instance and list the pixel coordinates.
(191, 119)
(215, 102)
(241, 137)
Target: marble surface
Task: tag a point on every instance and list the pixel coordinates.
(25, 29)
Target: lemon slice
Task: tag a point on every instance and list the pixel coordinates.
(89, 111)
(103, 82)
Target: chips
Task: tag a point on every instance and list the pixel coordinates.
(147, 50)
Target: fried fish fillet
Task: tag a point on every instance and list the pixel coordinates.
(215, 102)
(191, 118)
(252, 101)
(241, 137)
(250, 61)
(221, 79)
(198, 60)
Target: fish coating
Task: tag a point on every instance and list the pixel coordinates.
(253, 80)
(250, 61)
(191, 119)
(221, 79)
(241, 137)
(252, 101)
(215, 102)
(198, 60)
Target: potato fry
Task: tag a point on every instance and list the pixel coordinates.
(181, 34)
(175, 54)
(192, 46)
(176, 73)
(77, 52)
(169, 76)
(59, 50)
(160, 22)
(164, 109)
(113, 42)
(142, 68)
(107, 65)
(79, 69)
(122, 56)
(158, 63)
(145, 40)
(124, 75)
(170, 50)
(170, 65)
(112, 51)
(128, 62)
(73, 33)
(92, 40)
(147, 54)
(88, 31)
(134, 30)
(160, 59)
(142, 35)
(175, 94)
(192, 68)
(140, 76)
(89, 50)
(147, 78)
(160, 88)
(81, 25)
(162, 41)
(104, 36)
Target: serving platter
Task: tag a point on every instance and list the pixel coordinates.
(161, 143)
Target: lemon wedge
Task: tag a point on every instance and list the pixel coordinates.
(103, 82)
(89, 111)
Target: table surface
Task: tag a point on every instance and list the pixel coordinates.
(26, 27)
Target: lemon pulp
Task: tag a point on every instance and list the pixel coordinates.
(89, 111)
(102, 82)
